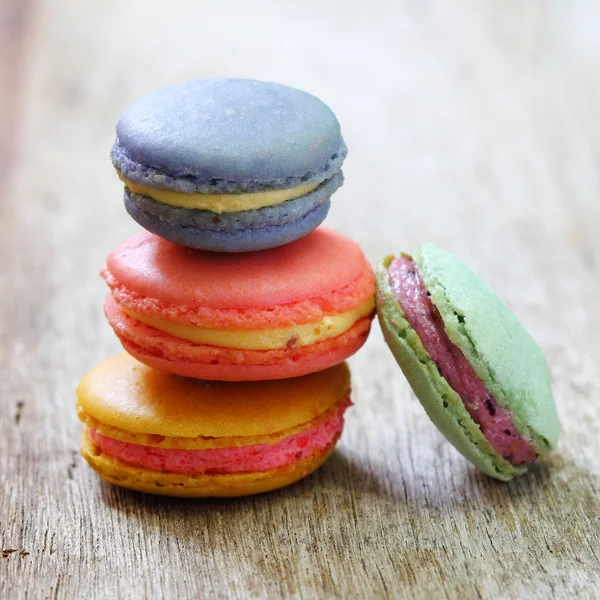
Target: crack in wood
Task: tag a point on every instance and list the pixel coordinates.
(8, 551)
(73, 465)
(19, 411)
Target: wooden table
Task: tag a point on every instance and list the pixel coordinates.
(472, 124)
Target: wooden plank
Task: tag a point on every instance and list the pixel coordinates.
(471, 125)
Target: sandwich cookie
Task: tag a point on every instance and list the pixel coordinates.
(479, 375)
(280, 313)
(158, 433)
(229, 165)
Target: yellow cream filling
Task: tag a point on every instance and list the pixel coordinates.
(220, 203)
(266, 339)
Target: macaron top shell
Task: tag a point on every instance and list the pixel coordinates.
(500, 350)
(123, 393)
(323, 273)
(228, 135)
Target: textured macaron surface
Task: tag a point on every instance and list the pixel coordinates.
(278, 215)
(314, 438)
(219, 135)
(476, 303)
(280, 313)
(244, 231)
(174, 355)
(198, 485)
(322, 274)
(441, 403)
(494, 421)
(154, 432)
(126, 395)
(499, 348)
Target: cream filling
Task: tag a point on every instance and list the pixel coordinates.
(262, 339)
(220, 203)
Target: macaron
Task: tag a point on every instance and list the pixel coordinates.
(480, 376)
(153, 432)
(229, 165)
(280, 313)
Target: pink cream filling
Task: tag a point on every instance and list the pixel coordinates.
(242, 459)
(494, 421)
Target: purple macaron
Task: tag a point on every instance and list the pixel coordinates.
(229, 165)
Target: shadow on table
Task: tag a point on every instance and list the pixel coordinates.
(340, 475)
(344, 484)
(420, 526)
(557, 481)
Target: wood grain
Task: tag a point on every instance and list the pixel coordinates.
(473, 124)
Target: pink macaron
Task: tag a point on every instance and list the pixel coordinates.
(279, 313)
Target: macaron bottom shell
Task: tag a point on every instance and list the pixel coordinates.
(244, 231)
(249, 240)
(202, 485)
(173, 355)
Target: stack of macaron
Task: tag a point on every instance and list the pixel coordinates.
(237, 311)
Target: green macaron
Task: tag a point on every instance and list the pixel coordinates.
(480, 376)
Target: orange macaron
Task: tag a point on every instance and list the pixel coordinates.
(159, 433)
(279, 313)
